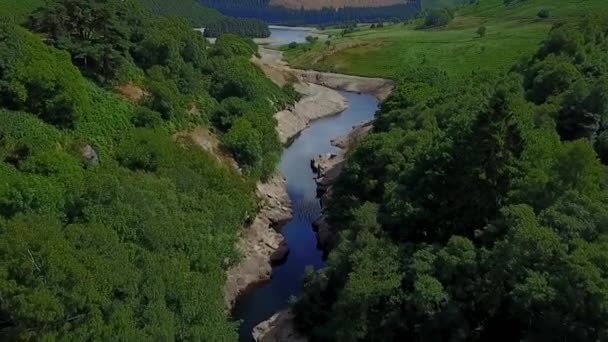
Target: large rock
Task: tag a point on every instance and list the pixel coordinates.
(279, 328)
(260, 243)
(280, 254)
(89, 156)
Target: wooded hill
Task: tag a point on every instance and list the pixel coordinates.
(477, 208)
(199, 16)
(272, 12)
(111, 227)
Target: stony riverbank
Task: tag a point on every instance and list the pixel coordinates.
(260, 242)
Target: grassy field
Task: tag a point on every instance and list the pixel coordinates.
(512, 32)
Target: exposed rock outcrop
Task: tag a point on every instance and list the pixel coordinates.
(260, 243)
(279, 328)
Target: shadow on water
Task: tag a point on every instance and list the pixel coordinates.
(262, 302)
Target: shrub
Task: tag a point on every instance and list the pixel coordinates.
(243, 141)
(544, 13)
(481, 31)
(437, 18)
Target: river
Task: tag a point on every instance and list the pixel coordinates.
(261, 303)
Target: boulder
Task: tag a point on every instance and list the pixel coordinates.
(279, 328)
(89, 156)
(280, 254)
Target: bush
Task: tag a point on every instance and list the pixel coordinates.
(481, 31)
(145, 117)
(39, 79)
(311, 39)
(243, 141)
(232, 45)
(292, 45)
(437, 18)
(544, 13)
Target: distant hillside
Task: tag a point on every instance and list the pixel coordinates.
(198, 15)
(319, 4)
(303, 12)
(430, 4)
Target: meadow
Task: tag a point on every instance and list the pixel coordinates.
(512, 32)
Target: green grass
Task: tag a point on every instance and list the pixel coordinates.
(512, 33)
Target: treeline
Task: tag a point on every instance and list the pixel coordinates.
(476, 209)
(197, 15)
(280, 15)
(213, 21)
(111, 227)
(252, 28)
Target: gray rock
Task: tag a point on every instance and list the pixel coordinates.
(279, 328)
(260, 241)
(280, 254)
(89, 155)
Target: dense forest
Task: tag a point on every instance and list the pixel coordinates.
(477, 209)
(214, 22)
(246, 27)
(260, 9)
(112, 228)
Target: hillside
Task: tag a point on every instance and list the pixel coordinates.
(198, 15)
(476, 208)
(114, 225)
(311, 12)
(318, 4)
(511, 32)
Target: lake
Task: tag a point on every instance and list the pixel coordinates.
(283, 35)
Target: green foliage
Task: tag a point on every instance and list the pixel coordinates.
(438, 17)
(17, 11)
(132, 246)
(490, 200)
(38, 79)
(101, 49)
(543, 14)
(228, 45)
(197, 15)
(481, 31)
(243, 141)
(245, 27)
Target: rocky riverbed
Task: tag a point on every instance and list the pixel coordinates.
(261, 244)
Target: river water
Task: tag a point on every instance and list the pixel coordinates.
(283, 35)
(261, 303)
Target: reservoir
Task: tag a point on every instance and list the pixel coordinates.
(283, 35)
(262, 302)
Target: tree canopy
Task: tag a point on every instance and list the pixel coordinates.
(476, 209)
(110, 227)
